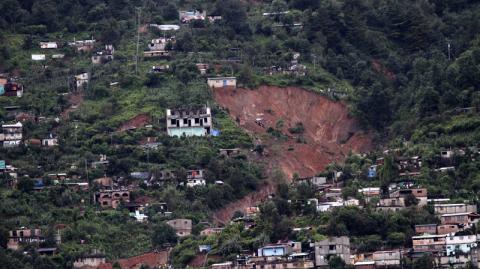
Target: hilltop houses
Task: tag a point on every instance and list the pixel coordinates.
(185, 122)
(112, 198)
(333, 246)
(195, 178)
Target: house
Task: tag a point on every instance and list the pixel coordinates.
(112, 198)
(139, 216)
(448, 229)
(252, 211)
(182, 227)
(222, 82)
(293, 261)
(24, 236)
(160, 68)
(184, 122)
(419, 193)
(195, 178)
(392, 202)
(188, 16)
(38, 57)
(390, 258)
(48, 45)
(328, 206)
(202, 68)
(50, 142)
(11, 88)
(81, 80)
(441, 209)
(83, 45)
(165, 27)
(333, 246)
(229, 152)
(316, 181)
(275, 250)
(429, 244)
(466, 218)
(103, 55)
(160, 44)
(426, 229)
(156, 54)
(12, 135)
(94, 259)
(211, 231)
(460, 250)
(58, 56)
(370, 192)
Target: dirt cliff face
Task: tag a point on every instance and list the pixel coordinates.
(329, 132)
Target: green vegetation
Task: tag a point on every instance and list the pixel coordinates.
(409, 70)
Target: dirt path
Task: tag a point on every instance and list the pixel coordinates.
(329, 132)
(75, 100)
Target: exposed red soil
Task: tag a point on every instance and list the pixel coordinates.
(136, 122)
(200, 260)
(330, 133)
(155, 259)
(151, 259)
(380, 68)
(75, 100)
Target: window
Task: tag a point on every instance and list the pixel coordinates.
(173, 121)
(205, 119)
(185, 121)
(197, 120)
(332, 247)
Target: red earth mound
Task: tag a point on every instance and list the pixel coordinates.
(136, 122)
(330, 133)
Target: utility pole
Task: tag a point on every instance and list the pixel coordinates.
(138, 11)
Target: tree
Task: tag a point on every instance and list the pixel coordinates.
(424, 262)
(163, 234)
(388, 172)
(25, 185)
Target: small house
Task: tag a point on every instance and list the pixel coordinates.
(222, 82)
(196, 178)
(160, 44)
(182, 227)
(103, 55)
(38, 57)
(48, 45)
(81, 80)
(188, 16)
(184, 122)
(11, 88)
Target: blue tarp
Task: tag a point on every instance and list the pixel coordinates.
(215, 132)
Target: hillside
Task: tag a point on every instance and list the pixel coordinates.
(196, 132)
